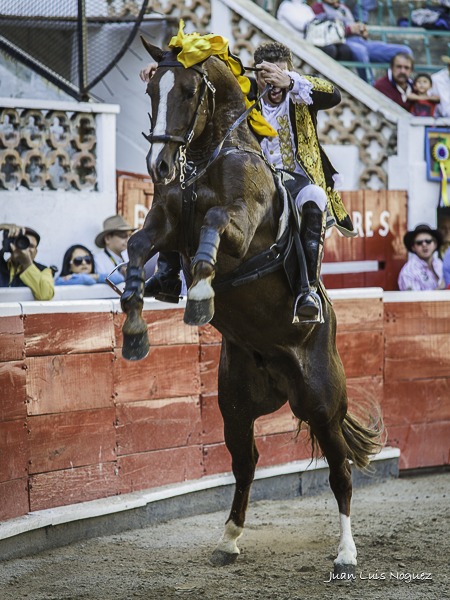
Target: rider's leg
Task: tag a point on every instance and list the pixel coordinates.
(312, 203)
(165, 284)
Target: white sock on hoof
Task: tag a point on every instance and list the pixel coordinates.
(201, 291)
(347, 549)
(227, 542)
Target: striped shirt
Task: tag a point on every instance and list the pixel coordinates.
(417, 276)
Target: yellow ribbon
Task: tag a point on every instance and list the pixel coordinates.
(441, 155)
(196, 48)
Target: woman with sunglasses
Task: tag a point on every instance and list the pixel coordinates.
(78, 269)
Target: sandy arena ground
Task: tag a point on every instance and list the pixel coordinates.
(401, 529)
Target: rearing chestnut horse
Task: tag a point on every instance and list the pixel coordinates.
(265, 360)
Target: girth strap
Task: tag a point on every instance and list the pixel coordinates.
(254, 268)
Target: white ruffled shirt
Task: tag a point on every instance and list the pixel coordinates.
(279, 150)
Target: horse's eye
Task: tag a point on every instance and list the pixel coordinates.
(190, 93)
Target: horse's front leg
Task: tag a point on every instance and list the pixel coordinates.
(234, 222)
(141, 247)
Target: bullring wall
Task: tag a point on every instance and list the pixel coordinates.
(79, 423)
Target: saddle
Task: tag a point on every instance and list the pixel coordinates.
(286, 253)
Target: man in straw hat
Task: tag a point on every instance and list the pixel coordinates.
(423, 271)
(113, 239)
(441, 87)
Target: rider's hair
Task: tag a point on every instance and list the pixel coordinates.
(273, 52)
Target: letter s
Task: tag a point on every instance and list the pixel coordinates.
(383, 222)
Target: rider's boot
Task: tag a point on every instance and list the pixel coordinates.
(312, 234)
(165, 285)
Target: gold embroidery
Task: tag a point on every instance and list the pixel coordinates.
(285, 141)
(308, 155)
(320, 85)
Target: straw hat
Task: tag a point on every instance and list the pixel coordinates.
(111, 224)
(446, 59)
(410, 236)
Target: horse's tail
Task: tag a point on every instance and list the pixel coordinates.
(363, 441)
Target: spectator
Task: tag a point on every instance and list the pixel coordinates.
(423, 271)
(297, 16)
(446, 269)
(20, 270)
(396, 84)
(423, 100)
(441, 86)
(363, 49)
(361, 9)
(78, 269)
(113, 239)
(443, 217)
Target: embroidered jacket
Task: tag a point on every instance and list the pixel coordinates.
(309, 154)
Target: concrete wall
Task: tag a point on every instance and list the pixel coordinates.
(63, 218)
(408, 170)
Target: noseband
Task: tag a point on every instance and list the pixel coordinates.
(206, 84)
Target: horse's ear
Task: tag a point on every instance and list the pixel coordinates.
(155, 52)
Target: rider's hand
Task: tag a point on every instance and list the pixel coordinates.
(147, 73)
(273, 75)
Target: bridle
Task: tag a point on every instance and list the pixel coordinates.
(187, 139)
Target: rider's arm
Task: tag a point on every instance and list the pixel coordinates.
(324, 95)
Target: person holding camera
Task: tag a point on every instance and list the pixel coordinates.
(21, 270)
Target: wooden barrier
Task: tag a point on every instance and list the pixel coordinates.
(79, 423)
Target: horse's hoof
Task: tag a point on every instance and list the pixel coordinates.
(345, 571)
(222, 559)
(199, 312)
(135, 346)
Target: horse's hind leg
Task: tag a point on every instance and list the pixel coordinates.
(235, 401)
(322, 401)
(334, 448)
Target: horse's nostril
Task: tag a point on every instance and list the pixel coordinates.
(163, 168)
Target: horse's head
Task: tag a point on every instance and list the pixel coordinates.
(180, 109)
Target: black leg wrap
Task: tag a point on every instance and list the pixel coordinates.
(134, 284)
(207, 248)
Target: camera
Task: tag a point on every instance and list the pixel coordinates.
(21, 242)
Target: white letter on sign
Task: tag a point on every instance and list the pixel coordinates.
(140, 212)
(369, 215)
(384, 223)
(357, 223)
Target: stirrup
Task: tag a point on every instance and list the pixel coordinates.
(164, 294)
(319, 319)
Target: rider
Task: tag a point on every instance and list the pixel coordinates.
(290, 107)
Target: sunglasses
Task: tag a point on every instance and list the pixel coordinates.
(80, 259)
(420, 242)
(124, 235)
